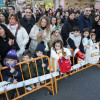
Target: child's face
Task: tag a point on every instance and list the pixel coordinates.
(86, 34)
(93, 37)
(11, 61)
(26, 58)
(39, 53)
(57, 46)
(76, 33)
(56, 33)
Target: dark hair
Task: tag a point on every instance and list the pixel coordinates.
(27, 52)
(7, 32)
(29, 9)
(12, 7)
(86, 30)
(52, 18)
(57, 41)
(6, 17)
(76, 28)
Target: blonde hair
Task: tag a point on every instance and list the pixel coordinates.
(38, 24)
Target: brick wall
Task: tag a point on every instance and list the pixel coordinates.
(77, 3)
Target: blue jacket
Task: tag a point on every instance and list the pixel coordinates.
(84, 22)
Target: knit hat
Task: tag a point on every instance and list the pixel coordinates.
(40, 47)
(56, 28)
(11, 55)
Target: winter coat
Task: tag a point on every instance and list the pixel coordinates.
(22, 38)
(86, 41)
(52, 28)
(67, 28)
(5, 47)
(74, 42)
(97, 31)
(7, 76)
(26, 70)
(84, 22)
(56, 55)
(39, 65)
(35, 39)
(53, 37)
(27, 24)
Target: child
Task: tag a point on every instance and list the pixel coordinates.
(27, 56)
(11, 61)
(39, 52)
(86, 40)
(57, 51)
(54, 36)
(93, 37)
(74, 41)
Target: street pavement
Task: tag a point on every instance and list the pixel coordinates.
(84, 85)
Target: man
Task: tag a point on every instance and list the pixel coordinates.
(11, 9)
(28, 21)
(85, 20)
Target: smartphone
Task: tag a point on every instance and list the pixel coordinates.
(40, 30)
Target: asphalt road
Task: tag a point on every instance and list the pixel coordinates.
(84, 85)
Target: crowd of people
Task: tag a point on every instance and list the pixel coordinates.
(25, 35)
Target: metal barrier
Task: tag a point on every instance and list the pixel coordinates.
(47, 84)
(61, 76)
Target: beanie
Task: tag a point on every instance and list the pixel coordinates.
(40, 47)
(11, 55)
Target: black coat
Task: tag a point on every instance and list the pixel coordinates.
(67, 28)
(5, 47)
(97, 31)
(27, 24)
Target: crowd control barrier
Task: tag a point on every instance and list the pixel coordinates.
(5, 87)
(74, 68)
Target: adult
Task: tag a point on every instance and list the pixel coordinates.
(68, 27)
(27, 22)
(4, 18)
(7, 41)
(19, 32)
(97, 31)
(85, 20)
(40, 32)
(60, 9)
(11, 9)
(53, 23)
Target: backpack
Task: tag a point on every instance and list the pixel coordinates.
(64, 65)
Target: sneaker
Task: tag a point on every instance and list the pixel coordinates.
(28, 88)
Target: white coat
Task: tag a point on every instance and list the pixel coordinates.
(56, 55)
(22, 38)
(34, 41)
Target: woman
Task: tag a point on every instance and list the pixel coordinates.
(7, 40)
(4, 18)
(40, 32)
(19, 32)
(53, 23)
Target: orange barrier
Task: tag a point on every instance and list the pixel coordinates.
(70, 72)
(48, 85)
